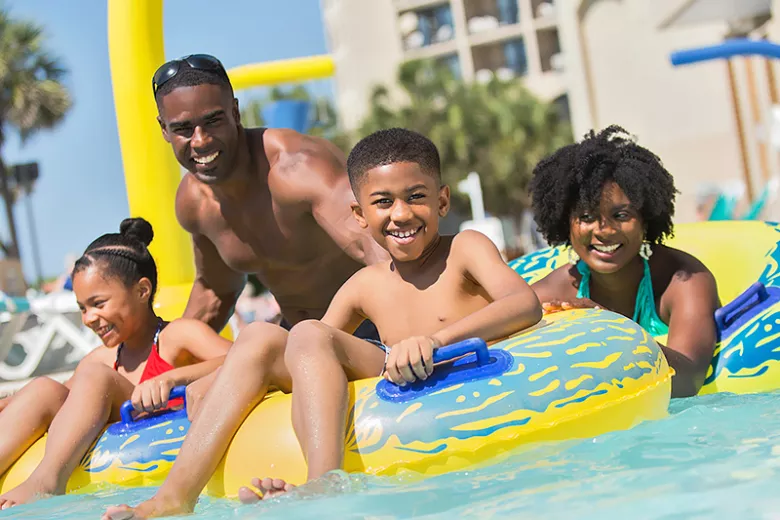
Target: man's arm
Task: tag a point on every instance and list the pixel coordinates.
(216, 288)
(333, 213)
(327, 187)
(692, 303)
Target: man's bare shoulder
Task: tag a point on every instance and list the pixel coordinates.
(302, 161)
(190, 201)
(283, 145)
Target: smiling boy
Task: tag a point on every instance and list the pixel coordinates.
(434, 291)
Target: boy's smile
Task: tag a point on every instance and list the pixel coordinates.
(404, 236)
(401, 205)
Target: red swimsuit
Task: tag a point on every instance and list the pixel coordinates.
(155, 365)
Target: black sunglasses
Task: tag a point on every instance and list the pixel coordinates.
(195, 61)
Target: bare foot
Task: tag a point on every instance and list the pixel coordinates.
(122, 512)
(269, 488)
(153, 507)
(27, 491)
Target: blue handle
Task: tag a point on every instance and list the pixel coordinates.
(461, 348)
(733, 310)
(489, 364)
(126, 411)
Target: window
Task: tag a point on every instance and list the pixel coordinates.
(484, 15)
(504, 59)
(426, 26)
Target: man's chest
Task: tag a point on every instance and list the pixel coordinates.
(257, 239)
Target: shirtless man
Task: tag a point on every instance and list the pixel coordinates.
(264, 201)
(271, 202)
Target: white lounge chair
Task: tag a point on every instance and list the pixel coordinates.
(54, 330)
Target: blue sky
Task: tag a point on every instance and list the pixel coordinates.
(81, 193)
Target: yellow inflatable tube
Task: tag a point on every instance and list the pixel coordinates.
(744, 257)
(576, 374)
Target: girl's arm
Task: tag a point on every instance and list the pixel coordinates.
(194, 349)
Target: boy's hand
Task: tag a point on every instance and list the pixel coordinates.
(153, 394)
(576, 303)
(410, 360)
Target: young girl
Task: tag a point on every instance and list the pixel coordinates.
(142, 359)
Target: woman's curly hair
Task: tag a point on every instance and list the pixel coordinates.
(573, 178)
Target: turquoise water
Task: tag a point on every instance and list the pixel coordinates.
(714, 457)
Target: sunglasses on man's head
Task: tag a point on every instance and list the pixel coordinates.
(196, 61)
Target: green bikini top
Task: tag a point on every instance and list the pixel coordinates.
(644, 309)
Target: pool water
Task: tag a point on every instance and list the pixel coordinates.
(713, 457)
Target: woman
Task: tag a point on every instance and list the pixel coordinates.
(142, 359)
(612, 202)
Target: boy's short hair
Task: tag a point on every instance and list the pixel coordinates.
(393, 145)
(189, 77)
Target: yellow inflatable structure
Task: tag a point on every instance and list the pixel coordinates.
(576, 374)
(135, 42)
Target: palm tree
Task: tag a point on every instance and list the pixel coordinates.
(499, 129)
(32, 96)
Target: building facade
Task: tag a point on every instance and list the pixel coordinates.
(476, 39)
(606, 61)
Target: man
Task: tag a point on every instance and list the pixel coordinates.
(264, 201)
(271, 202)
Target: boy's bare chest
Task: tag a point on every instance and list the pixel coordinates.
(404, 310)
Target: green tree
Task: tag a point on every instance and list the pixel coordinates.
(32, 97)
(498, 129)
